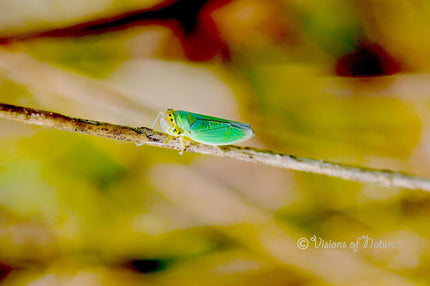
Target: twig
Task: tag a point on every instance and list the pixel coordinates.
(144, 135)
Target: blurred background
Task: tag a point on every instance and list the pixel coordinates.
(340, 80)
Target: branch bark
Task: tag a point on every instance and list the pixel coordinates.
(147, 136)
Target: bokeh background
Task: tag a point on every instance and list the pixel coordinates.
(340, 80)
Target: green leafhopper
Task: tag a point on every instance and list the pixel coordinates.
(202, 128)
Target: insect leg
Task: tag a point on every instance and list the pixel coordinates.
(156, 119)
(219, 149)
(181, 139)
(168, 139)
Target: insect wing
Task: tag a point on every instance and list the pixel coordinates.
(210, 130)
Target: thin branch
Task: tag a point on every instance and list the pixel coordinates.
(147, 136)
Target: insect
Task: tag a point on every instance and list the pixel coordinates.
(202, 128)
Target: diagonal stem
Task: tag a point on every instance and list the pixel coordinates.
(147, 136)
